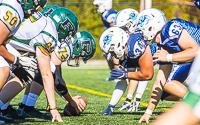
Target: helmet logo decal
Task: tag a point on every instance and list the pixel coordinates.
(48, 12)
(86, 46)
(132, 16)
(107, 39)
(143, 20)
(67, 23)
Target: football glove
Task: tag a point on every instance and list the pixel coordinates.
(26, 77)
(119, 73)
(26, 62)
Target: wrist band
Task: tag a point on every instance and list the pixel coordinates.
(148, 111)
(169, 57)
(53, 108)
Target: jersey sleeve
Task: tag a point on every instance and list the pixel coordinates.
(10, 17)
(64, 51)
(171, 32)
(111, 18)
(136, 46)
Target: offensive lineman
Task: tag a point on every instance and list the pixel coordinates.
(42, 41)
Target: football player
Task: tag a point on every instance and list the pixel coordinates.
(41, 40)
(132, 51)
(84, 47)
(188, 110)
(104, 7)
(12, 14)
(126, 19)
(179, 44)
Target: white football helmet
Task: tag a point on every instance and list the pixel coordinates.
(126, 19)
(114, 40)
(150, 22)
(103, 5)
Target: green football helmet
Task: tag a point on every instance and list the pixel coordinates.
(49, 9)
(84, 46)
(30, 6)
(66, 23)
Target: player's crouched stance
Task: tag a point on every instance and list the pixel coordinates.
(122, 46)
(84, 46)
(42, 42)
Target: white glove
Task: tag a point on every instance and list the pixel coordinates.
(26, 62)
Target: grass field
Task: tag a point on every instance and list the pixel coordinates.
(88, 83)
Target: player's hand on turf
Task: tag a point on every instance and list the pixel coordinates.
(160, 55)
(119, 73)
(56, 115)
(145, 118)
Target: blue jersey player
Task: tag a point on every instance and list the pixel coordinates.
(132, 51)
(179, 42)
(104, 7)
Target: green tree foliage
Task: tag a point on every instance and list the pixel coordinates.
(90, 20)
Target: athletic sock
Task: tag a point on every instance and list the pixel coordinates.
(31, 100)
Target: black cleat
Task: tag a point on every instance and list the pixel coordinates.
(34, 113)
(10, 112)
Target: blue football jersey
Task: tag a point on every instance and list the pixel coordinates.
(136, 47)
(171, 33)
(108, 17)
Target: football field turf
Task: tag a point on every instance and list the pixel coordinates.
(88, 82)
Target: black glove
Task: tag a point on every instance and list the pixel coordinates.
(22, 74)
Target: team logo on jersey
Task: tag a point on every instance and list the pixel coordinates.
(132, 16)
(143, 20)
(86, 46)
(107, 39)
(68, 24)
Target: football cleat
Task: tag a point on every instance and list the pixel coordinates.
(108, 111)
(10, 112)
(5, 119)
(21, 106)
(34, 113)
(125, 105)
(134, 106)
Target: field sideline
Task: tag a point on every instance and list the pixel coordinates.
(87, 81)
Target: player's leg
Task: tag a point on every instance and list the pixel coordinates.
(29, 107)
(24, 99)
(186, 112)
(139, 92)
(119, 90)
(174, 85)
(9, 91)
(131, 89)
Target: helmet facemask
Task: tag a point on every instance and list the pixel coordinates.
(84, 47)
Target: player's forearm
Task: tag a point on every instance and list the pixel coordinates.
(139, 76)
(156, 93)
(8, 56)
(185, 56)
(49, 89)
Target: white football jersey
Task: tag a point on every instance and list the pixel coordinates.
(40, 31)
(35, 31)
(11, 14)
